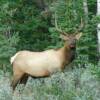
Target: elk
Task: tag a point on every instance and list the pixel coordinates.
(43, 64)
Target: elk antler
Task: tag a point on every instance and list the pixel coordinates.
(81, 26)
(56, 26)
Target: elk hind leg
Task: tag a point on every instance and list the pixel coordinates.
(16, 79)
(24, 79)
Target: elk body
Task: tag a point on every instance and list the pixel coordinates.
(42, 64)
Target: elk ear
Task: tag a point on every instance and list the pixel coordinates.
(78, 36)
(64, 37)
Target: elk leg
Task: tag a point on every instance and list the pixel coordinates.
(24, 79)
(15, 80)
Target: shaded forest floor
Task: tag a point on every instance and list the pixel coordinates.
(73, 84)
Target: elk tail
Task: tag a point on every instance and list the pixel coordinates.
(13, 58)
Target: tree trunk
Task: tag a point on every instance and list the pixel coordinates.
(85, 7)
(98, 26)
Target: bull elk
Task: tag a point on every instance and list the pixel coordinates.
(43, 64)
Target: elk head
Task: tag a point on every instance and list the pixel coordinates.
(70, 39)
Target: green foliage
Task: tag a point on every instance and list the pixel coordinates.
(7, 49)
(95, 70)
(8, 38)
(32, 28)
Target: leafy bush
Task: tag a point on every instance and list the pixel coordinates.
(7, 49)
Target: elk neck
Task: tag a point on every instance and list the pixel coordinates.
(67, 54)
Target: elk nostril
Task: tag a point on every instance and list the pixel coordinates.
(72, 46)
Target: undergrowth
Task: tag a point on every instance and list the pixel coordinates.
(73, 84)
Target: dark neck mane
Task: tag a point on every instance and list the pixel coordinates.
(68, 54)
